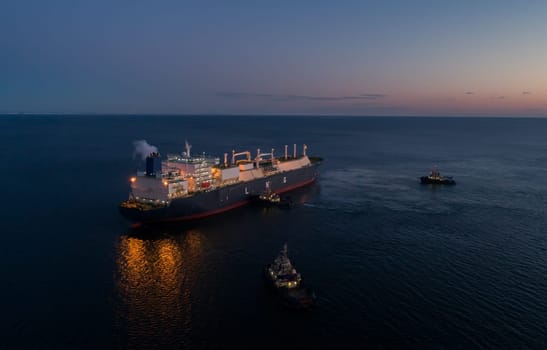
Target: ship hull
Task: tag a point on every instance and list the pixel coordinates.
(219, 200)
(444, 181)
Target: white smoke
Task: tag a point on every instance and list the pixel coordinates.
(143, 149)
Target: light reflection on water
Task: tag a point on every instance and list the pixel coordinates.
(155, 281)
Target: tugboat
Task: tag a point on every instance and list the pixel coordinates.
(268, 198)
(435, 177)
(282, 276)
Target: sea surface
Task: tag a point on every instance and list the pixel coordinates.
(395, 264)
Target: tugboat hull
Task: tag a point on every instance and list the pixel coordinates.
(443, 181)
(299, 298)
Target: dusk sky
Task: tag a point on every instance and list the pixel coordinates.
(445, 58)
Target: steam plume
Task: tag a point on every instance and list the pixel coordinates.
(143, 149)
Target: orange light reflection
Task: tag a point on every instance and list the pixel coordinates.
(155, 283)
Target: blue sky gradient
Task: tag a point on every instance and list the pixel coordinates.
(282, 57)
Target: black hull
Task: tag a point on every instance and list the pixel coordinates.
(219, 200)
(284, 203)
(445, 181)
(298, 298)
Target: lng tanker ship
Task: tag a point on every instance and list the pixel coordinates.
(186, 187)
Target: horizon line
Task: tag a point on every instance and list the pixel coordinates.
(268, 115)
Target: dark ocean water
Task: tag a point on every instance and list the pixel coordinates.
(395, 265)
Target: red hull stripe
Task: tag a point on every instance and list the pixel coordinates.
(235, 205)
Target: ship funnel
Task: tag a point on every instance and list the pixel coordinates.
(225, 159)
(153, 164)
(294, 151)
(286, 146)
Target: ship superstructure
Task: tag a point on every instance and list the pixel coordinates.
(186, 186)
